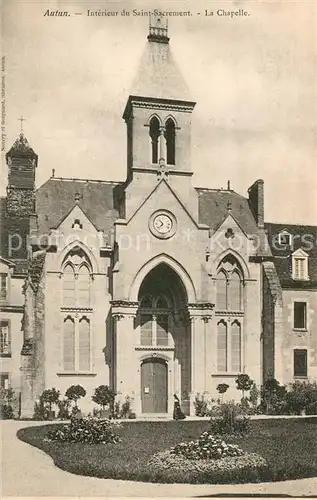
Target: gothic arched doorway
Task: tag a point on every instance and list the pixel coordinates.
(162, 328)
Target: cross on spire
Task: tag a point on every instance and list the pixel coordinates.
(21, 119)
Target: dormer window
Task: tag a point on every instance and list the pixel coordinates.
(300, 265)
(285, 239)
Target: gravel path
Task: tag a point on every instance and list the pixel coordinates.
(29, 472)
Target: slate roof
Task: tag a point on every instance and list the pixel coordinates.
(213, 209)
(304, 237)
(158, 75)
(57, 197)
(21, 148)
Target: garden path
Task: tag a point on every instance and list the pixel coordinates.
(29, 472)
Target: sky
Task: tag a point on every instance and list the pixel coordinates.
(253, 78)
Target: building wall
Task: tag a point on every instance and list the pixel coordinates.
(298, 339)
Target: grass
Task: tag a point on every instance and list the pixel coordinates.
(289, 447)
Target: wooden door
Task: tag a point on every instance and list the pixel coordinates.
(154, 386)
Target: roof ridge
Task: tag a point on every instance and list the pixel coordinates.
(78, 179)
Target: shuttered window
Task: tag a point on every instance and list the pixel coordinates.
(300, 362)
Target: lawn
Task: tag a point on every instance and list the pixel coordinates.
(289, 446)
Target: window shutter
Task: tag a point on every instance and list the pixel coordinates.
(300, 362)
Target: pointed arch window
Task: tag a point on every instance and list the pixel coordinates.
(222, 346)
(235, 347)
(84, 344)
(83, 287)
(222, 291)
(76, 282)
(170, 141)
(235, 291)
(230, 313)
(154, 135)
(69, 294)
(154, 321)
(69, 344)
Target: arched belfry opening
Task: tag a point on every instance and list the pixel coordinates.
(154, 134)
(163, 333)
(170, 141)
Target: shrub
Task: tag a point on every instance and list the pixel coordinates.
(50, 397)
(6, 400)
(230, 420)
(302, 397)
(273, 397)
(244, 383)
(64, 409)
(201, 406)
(222, 388)
(104, 396)
(75, 392)
(87, 430)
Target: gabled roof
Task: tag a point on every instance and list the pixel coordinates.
(57, 197)
(213, 209)
(303, 237)
(158, 75)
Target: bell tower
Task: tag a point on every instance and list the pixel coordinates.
(22, 163)
(158, 111)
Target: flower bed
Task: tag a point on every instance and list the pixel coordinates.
(208, 459)
(87, 430)
(248, 467)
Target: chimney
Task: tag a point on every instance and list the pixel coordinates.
(256, 201)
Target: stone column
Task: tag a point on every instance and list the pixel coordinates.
(126, 369)
(162, 145)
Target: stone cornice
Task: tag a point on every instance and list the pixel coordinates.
(157, 103)
(11, 308)
(124, 303)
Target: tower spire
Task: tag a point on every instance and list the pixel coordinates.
(158, 29)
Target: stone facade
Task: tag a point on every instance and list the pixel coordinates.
(151, 286)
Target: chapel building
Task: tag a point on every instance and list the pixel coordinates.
(151, 286)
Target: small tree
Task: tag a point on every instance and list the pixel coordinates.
(74, 393)
(104, 396)
(244, 383)
(222, 388)
(50, 397)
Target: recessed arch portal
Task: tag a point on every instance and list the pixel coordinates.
(180, 274)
